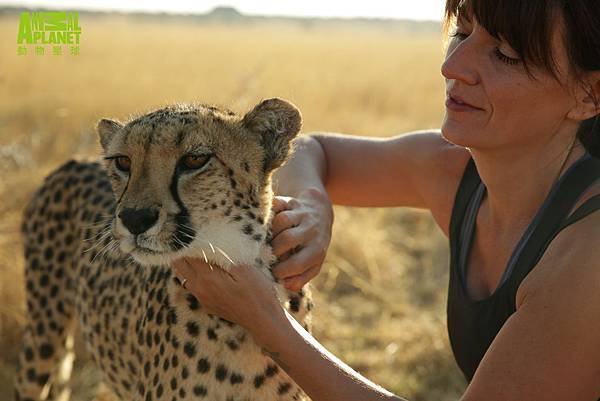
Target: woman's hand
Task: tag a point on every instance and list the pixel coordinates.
(301, 231)
(244, 295)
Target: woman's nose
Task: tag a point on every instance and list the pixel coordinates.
(461, 62)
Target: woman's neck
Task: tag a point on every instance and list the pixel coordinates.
(517, 182)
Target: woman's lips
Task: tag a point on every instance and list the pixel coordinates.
(456, 104)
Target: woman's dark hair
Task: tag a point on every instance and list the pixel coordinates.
(527, 26)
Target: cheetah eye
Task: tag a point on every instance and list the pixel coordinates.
(123, 163)
(194, 162)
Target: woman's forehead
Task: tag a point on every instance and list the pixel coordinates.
(527, 26)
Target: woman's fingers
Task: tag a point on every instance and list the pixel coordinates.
(242, 295)
(296, 283)
(195, 270)
(301, 233)
(183, 269)
(299, 263)
(280, 203)
(284, 220)
(288, 240)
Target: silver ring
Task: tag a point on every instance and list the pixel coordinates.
(183, 283)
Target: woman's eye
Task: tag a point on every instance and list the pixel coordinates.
(194, 162)
(504, 58)
(123, 163)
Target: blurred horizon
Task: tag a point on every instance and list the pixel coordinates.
(424, 10)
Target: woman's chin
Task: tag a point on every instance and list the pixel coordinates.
(457, 134)
(452, 133)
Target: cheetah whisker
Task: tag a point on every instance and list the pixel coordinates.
(101, 233)
(96, 244)
(224, 254)
(189, 228)
(100, 236)
(212, 247)
(203, 254)
(189, 236)
(101, 251)
(116, 246)
(206, 259)
(111, 246)
(179, 242)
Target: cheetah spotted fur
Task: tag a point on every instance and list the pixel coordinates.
(100, 238)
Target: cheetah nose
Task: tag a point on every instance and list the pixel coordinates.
(138, 220)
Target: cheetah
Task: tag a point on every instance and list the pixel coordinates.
(100, 237)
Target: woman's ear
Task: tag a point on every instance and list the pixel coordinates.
(587, 99)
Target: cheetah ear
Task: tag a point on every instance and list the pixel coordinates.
(106, 131)
(277, 122)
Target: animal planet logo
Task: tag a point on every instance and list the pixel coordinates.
(56, 28)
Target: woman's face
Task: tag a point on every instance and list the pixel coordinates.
(492, 102)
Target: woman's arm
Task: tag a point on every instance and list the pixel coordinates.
(418, 169)
(404, 170)
(548, 349)
(253, 304)
(319, 373)
(302, 225)
(306, 169)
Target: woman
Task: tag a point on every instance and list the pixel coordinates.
(510, 180)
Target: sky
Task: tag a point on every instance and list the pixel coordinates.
(398, 9)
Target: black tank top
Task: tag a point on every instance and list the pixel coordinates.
(473, 324)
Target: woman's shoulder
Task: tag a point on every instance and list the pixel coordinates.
(444, 165)
(571, 263)
(448, 155)
(552, 339)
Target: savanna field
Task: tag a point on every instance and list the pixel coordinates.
(380, 297)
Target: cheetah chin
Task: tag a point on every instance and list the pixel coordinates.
(100, 239)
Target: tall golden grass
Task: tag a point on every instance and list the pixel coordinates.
(381, 293)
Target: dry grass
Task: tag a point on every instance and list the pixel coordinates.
(381, 293)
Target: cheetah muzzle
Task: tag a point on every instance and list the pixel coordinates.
(100, 239)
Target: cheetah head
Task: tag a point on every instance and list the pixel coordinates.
(195, 180)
